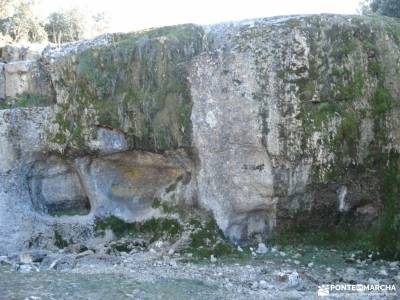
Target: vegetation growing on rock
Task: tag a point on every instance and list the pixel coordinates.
(136, 84)
(59, 241)
(337, 81)
(205, 238)
(25, 100)
(388, 237)
(154, 227)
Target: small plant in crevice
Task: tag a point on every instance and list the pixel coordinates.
(59, 241)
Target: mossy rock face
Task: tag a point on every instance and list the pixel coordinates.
(353, 83)
(341, 76)
(347, 104)
(137, 84)
(337, 72)
(353, 78)
(388, 237)
(329, 107)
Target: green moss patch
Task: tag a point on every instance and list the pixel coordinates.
(155, 228)
(69, 212)
(166, 207)
(382, 101)
(207, 239)
(59, 241)
(25, 100)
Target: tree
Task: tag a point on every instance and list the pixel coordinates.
(6, 8)
(100, 23)
(66, 26)
(73, 25)
(390, 8)
(365, 8)
(20, 21)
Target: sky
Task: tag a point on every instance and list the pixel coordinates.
(140, 14)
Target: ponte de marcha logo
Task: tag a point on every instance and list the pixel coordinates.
(323, 290)
(382, 289)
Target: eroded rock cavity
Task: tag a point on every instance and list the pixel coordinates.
(129, 185)
(55, 188)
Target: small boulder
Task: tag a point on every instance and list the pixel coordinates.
(383, 272)
(63, 263)
(263, 284)
(4, 261)
(173, 263)
(262, 248)
(293, 279)
(26, 268)
(84, 253)
(393, 264)
(32, 257)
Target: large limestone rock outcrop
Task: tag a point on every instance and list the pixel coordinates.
(266, 124)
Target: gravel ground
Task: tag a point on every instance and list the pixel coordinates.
(272, 273)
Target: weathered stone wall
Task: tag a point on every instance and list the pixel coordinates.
(266, 124)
